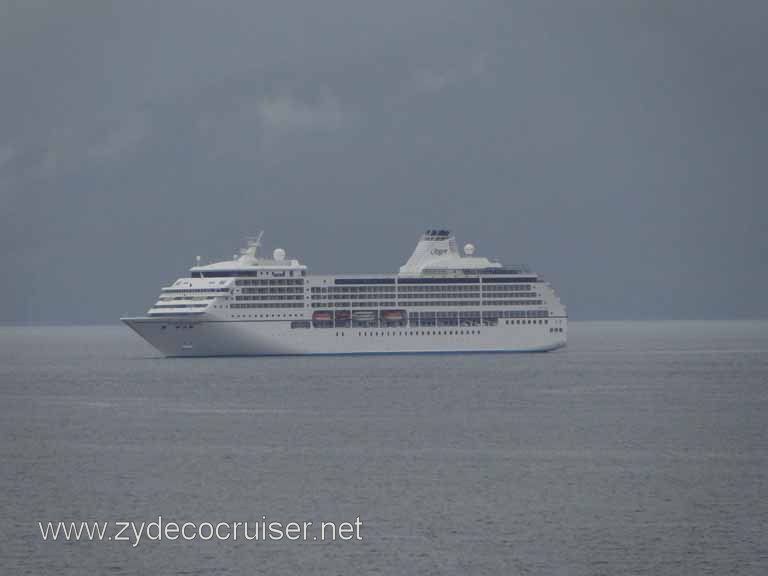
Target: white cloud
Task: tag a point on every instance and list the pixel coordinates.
(7, 154)
(104, 138)
(431, 81)
(124, 136)
(269, 128)
(287, 113)
(435, 79)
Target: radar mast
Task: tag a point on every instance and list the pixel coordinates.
(253, 245)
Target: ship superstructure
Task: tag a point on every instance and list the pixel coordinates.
(440, 301)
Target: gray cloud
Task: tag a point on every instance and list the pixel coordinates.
(616, 147)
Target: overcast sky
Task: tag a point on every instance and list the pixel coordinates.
(619, 148)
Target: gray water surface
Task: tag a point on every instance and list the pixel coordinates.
(642, 448)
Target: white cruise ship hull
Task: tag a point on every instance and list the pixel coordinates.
(185, 338)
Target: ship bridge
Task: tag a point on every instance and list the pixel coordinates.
(249, 263)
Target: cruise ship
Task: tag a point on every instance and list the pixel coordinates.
(441, 300)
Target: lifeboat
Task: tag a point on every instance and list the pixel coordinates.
(393, 315)
(321, 316)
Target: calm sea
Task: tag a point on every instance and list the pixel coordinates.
(642, 448)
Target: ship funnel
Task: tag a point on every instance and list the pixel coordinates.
(434, 246)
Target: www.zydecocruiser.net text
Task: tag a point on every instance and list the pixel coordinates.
(159, 530)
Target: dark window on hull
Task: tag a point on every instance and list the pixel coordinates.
(364, 281)
(435, 280)
(529, 279)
